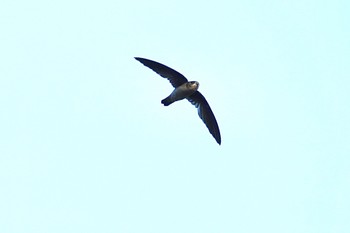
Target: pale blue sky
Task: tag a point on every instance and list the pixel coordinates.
(86, 145)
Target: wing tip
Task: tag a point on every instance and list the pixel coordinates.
(218, 139)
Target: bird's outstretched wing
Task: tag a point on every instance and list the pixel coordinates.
(206, 114)
(176, 79)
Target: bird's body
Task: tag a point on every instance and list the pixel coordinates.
(181, 92)
(185, 90)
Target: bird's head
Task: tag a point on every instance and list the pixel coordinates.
(193, 85)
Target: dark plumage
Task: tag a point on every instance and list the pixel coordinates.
(185, 89)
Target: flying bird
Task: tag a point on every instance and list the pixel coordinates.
(185, 89)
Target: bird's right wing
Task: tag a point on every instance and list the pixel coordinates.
(206, 114)
(176, 79)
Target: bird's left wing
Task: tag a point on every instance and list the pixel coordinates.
(206, 114)
(176, 79)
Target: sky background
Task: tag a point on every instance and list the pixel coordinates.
(86, 145)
